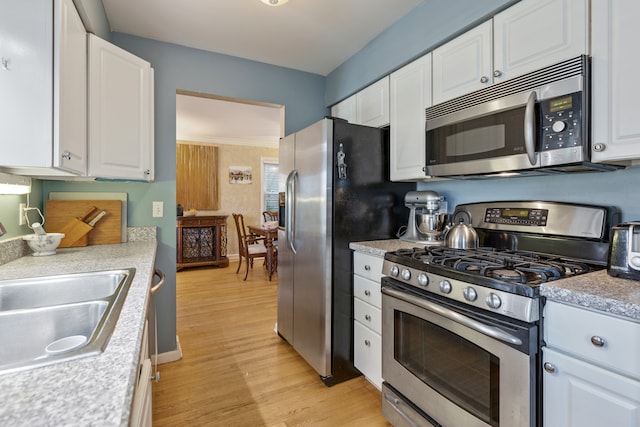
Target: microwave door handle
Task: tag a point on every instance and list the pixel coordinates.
(487, 330)
(529, 127)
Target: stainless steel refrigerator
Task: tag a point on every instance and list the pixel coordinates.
(335, 179)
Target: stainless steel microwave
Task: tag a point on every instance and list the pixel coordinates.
(538, 122)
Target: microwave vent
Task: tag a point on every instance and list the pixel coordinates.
(553, 73)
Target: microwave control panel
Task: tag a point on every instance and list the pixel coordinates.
(561, 125)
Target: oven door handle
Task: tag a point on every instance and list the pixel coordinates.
(452, 315)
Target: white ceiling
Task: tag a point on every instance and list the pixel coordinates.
(308, 35)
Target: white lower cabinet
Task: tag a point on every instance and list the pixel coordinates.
(141, 412)
(367, 324)
(591, 368)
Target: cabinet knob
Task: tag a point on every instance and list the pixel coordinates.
(367, 343)
(497, 73)
(367, 317)
(597, 341)
(367, 267)
(147, 172)
(599, 147)
(549, 367)
(367, 293)
(5, 63)
(66, 155)
(484, 79)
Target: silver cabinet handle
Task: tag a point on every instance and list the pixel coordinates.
(549, 368)
(158, 285)
(484, 79)
(597, 341)
(367, 317)
(367, 293)
(367, 267)
(497, 73)
(599, 147)
(66, 155)
(367, 343)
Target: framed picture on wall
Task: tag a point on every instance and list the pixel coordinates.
(240, 175)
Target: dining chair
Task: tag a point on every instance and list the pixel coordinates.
(249, 245)
(270, 216)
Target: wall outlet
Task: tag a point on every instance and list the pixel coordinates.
(21, 218)
(158, 210)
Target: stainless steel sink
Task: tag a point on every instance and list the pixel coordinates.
(63, 289)
(58, 318)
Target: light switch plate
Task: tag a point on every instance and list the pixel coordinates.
(158, 209)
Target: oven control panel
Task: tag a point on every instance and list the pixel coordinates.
(517, 216)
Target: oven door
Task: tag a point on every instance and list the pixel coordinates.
(459, 369)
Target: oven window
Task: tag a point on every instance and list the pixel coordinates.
(456, 368)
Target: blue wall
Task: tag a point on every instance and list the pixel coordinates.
(180, 68)
(427, 26)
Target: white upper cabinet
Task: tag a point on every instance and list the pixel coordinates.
(372, 104)
(529, 35)
(369, 107)
(120, 113)
(463, 65)
(410, 95)
(43, 79)
(615, 89)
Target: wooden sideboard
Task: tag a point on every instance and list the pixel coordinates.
(202, 240)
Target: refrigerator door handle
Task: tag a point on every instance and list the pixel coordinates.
(290, 211)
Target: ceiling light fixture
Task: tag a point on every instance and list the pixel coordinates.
(274, 2)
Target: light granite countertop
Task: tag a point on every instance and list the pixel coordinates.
(94, 390)
(596, 291)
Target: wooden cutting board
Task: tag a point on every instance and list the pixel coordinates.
(59, 213)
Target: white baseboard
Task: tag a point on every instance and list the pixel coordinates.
(169, 356)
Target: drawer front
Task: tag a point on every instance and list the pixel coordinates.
(368, 315)
(367, 266)
(604, 340)
(367, 290)
(367, 353)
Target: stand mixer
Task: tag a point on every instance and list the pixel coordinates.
(427, 217)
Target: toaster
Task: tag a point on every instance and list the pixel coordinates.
(624, 251)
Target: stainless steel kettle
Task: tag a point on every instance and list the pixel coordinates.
(461, 236)
(624, 251)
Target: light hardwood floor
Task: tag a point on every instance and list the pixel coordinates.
(236, 371)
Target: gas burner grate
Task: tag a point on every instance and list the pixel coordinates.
(505, 265)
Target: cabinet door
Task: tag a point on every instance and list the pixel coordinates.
(70, 90)
(26, 55)
(533, 34)
(346, 110)
(615, 89)
(463, 65)
(367, 353)
(410, 95)
(120, 113)
(372, 104)
(577, 393)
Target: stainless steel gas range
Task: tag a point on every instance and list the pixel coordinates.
(461, 327)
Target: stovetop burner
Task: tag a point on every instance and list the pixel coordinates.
(512, 266)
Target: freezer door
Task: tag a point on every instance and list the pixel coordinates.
(312, 268)
(285, 256)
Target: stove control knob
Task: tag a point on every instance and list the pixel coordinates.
(423, 279)
(395, 271)
(494, 300)
(445, 287)
(470, 294)
(406, 274)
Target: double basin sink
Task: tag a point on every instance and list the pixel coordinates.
(51, 319)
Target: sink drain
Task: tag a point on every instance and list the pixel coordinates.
(66, 344)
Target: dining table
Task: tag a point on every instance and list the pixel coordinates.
(270, 235)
